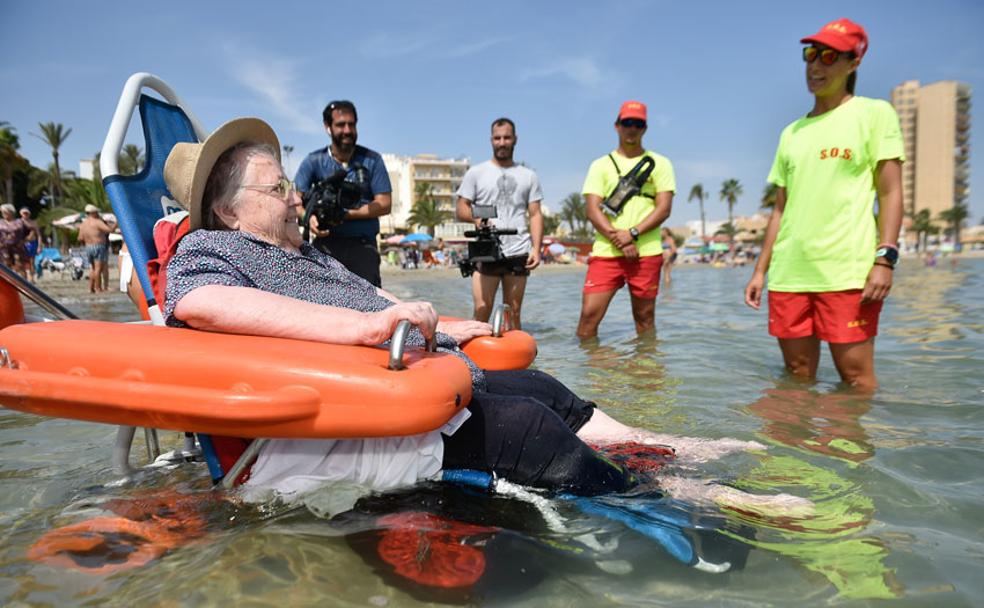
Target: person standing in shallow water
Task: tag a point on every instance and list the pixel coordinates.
(627, 247)
(829, 263)
(514, 192)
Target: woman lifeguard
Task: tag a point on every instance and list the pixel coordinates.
(829, 262)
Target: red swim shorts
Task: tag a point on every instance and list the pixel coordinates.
(832, 316)
(609, 274)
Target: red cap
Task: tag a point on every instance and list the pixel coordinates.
(632, 109)
(842, 35)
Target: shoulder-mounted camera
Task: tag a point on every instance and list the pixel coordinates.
(328, 200)
(486, 246)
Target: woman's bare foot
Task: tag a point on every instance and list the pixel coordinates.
(602, 429)
(699, 491)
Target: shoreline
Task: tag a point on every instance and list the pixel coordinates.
(61, 284)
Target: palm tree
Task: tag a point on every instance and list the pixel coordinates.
(923, 226)
(131, 160)
(575, 214)
(11, 161)
(955, 216)
(730, 191)
(426, 211)
(54, 134)
(287, 151)
(697, 192)
(551, 223)
(728, 229)
(82, 192)
(769, 196)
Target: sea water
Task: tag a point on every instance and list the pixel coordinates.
(897, 477)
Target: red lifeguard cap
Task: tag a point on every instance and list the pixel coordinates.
(632, 109)
(842, 35)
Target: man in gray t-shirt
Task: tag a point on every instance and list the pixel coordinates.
(515, 192)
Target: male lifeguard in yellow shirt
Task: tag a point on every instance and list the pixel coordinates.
(627, 247)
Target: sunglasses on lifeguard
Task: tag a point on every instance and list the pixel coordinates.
(628, 123)
(826, 56)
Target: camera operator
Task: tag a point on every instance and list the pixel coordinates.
(352, 241)
(513, 191)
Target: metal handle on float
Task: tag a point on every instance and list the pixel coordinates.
(498, 318)
(398, 344)
(34, 294)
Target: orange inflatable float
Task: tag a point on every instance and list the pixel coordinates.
(244, 386)
(513, 349)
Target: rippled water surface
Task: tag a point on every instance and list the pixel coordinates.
(897, 478)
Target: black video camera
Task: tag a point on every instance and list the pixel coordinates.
(486, 247)
(328, 199)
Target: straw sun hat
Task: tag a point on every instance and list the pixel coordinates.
(189, 164)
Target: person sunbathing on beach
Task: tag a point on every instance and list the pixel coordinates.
(243, 268)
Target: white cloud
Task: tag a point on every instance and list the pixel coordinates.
(584, 72)
(380, 45)
(274, 80)
(473, 48)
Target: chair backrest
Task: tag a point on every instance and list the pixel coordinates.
(142, 199)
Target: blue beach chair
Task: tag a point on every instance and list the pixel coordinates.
(140, 200)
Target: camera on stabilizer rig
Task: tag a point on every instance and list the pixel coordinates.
(486, 247)
(328, 199)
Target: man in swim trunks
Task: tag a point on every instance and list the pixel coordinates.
(94, 234)
(627, 247)
(32, 243)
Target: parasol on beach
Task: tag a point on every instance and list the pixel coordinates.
(416, 237)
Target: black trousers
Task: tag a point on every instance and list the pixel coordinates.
(359, 254)
(522, 428)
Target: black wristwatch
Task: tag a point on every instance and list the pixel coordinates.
(890, 254)
(634, 232)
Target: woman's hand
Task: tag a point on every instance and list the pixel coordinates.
(463, 331)
(878, 285)
(382, 324)
(753, 291)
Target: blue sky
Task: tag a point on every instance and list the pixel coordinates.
(720, 79)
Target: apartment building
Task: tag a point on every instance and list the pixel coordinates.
(407, 172)
(935, 121)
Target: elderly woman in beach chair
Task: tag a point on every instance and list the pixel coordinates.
(243, 268)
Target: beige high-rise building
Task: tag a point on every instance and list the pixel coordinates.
(442, 174)
(935, 121)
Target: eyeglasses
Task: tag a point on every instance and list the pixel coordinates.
(284, 189)
(629, 123)
(827, 56)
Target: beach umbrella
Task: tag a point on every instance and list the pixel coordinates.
(416, 237)
(75, 220)
(394, 240)
(719, 247)
(69, 220)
